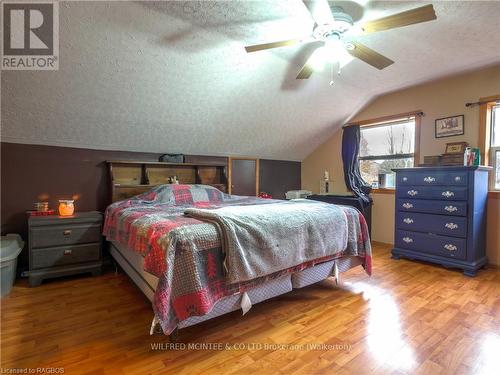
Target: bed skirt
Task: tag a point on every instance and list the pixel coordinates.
(131, 263)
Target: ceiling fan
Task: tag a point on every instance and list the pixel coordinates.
(336, 30)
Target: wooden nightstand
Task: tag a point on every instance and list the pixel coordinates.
(61, 246)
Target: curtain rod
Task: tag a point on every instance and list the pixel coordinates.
(385, 119)
(497, 101)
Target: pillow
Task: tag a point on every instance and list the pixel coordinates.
(178, 195)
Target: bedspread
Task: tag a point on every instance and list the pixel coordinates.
(259, 240)
(185, 253)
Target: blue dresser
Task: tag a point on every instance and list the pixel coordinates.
(441, 216)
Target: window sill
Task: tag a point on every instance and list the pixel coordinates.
(384, 191)
(494, 194)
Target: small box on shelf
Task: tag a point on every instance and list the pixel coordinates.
(41, 213)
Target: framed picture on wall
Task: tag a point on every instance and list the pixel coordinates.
(449, 126)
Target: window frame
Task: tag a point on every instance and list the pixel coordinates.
(493, 151)
(387, 120)
(492, 120)
(486, 106)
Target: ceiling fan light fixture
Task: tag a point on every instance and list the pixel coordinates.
(336, 51)
(318, 59)
(342, 20)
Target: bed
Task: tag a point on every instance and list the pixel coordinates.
(168, 244)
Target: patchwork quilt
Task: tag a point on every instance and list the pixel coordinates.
(185, 253)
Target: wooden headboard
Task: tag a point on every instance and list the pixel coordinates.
(129, 178)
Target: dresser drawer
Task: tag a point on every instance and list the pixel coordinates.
(59, 235)
(405, 178)
(428, 223)
(430, 178)
(64, 255)
(433, 192)
(432, 206)
(450, 247)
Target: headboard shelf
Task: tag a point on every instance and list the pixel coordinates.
(165, 163)
(134, 185)
(129, 177)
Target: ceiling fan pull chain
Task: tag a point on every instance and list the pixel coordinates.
(331, 75)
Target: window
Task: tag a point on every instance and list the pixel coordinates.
(496, 165)
(495, 126)
(495, 145)
(489, 136)
(384, 146)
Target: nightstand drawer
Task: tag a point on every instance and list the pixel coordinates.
(60, 235)
(59, 256)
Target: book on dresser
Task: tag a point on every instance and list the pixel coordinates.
(441, 216)
(64, 245)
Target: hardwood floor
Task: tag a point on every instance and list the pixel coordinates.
(409, 317)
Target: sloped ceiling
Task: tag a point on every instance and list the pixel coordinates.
(174, 77)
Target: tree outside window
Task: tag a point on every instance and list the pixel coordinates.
(386, 146)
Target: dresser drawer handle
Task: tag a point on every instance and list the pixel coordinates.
(429, 179)
(67, 232)
(407, 205)
(450, 247)
(450, 208)
(407, 239)
(447, 194)
(67, 252)
(451, 226)
(412, 192)
(458, 178)
(407, 220)
(405, 178)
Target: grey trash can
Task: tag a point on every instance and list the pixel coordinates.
(10, 248)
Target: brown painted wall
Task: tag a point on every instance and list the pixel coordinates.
(32, 173)
(279, 176)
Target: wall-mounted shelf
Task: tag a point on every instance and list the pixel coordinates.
(135, 162)
(129, 177)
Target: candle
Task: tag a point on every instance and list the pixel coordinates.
(66, 207)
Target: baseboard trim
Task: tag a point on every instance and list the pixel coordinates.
(384, 244)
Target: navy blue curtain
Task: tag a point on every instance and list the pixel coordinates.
(350, 152)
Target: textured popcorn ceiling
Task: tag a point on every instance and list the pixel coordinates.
(174, 77)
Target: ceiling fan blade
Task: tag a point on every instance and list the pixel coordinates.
(320, 11)
(369, 56)
(260, 47)
(305, 72)
(409, 17)
(307, 69)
